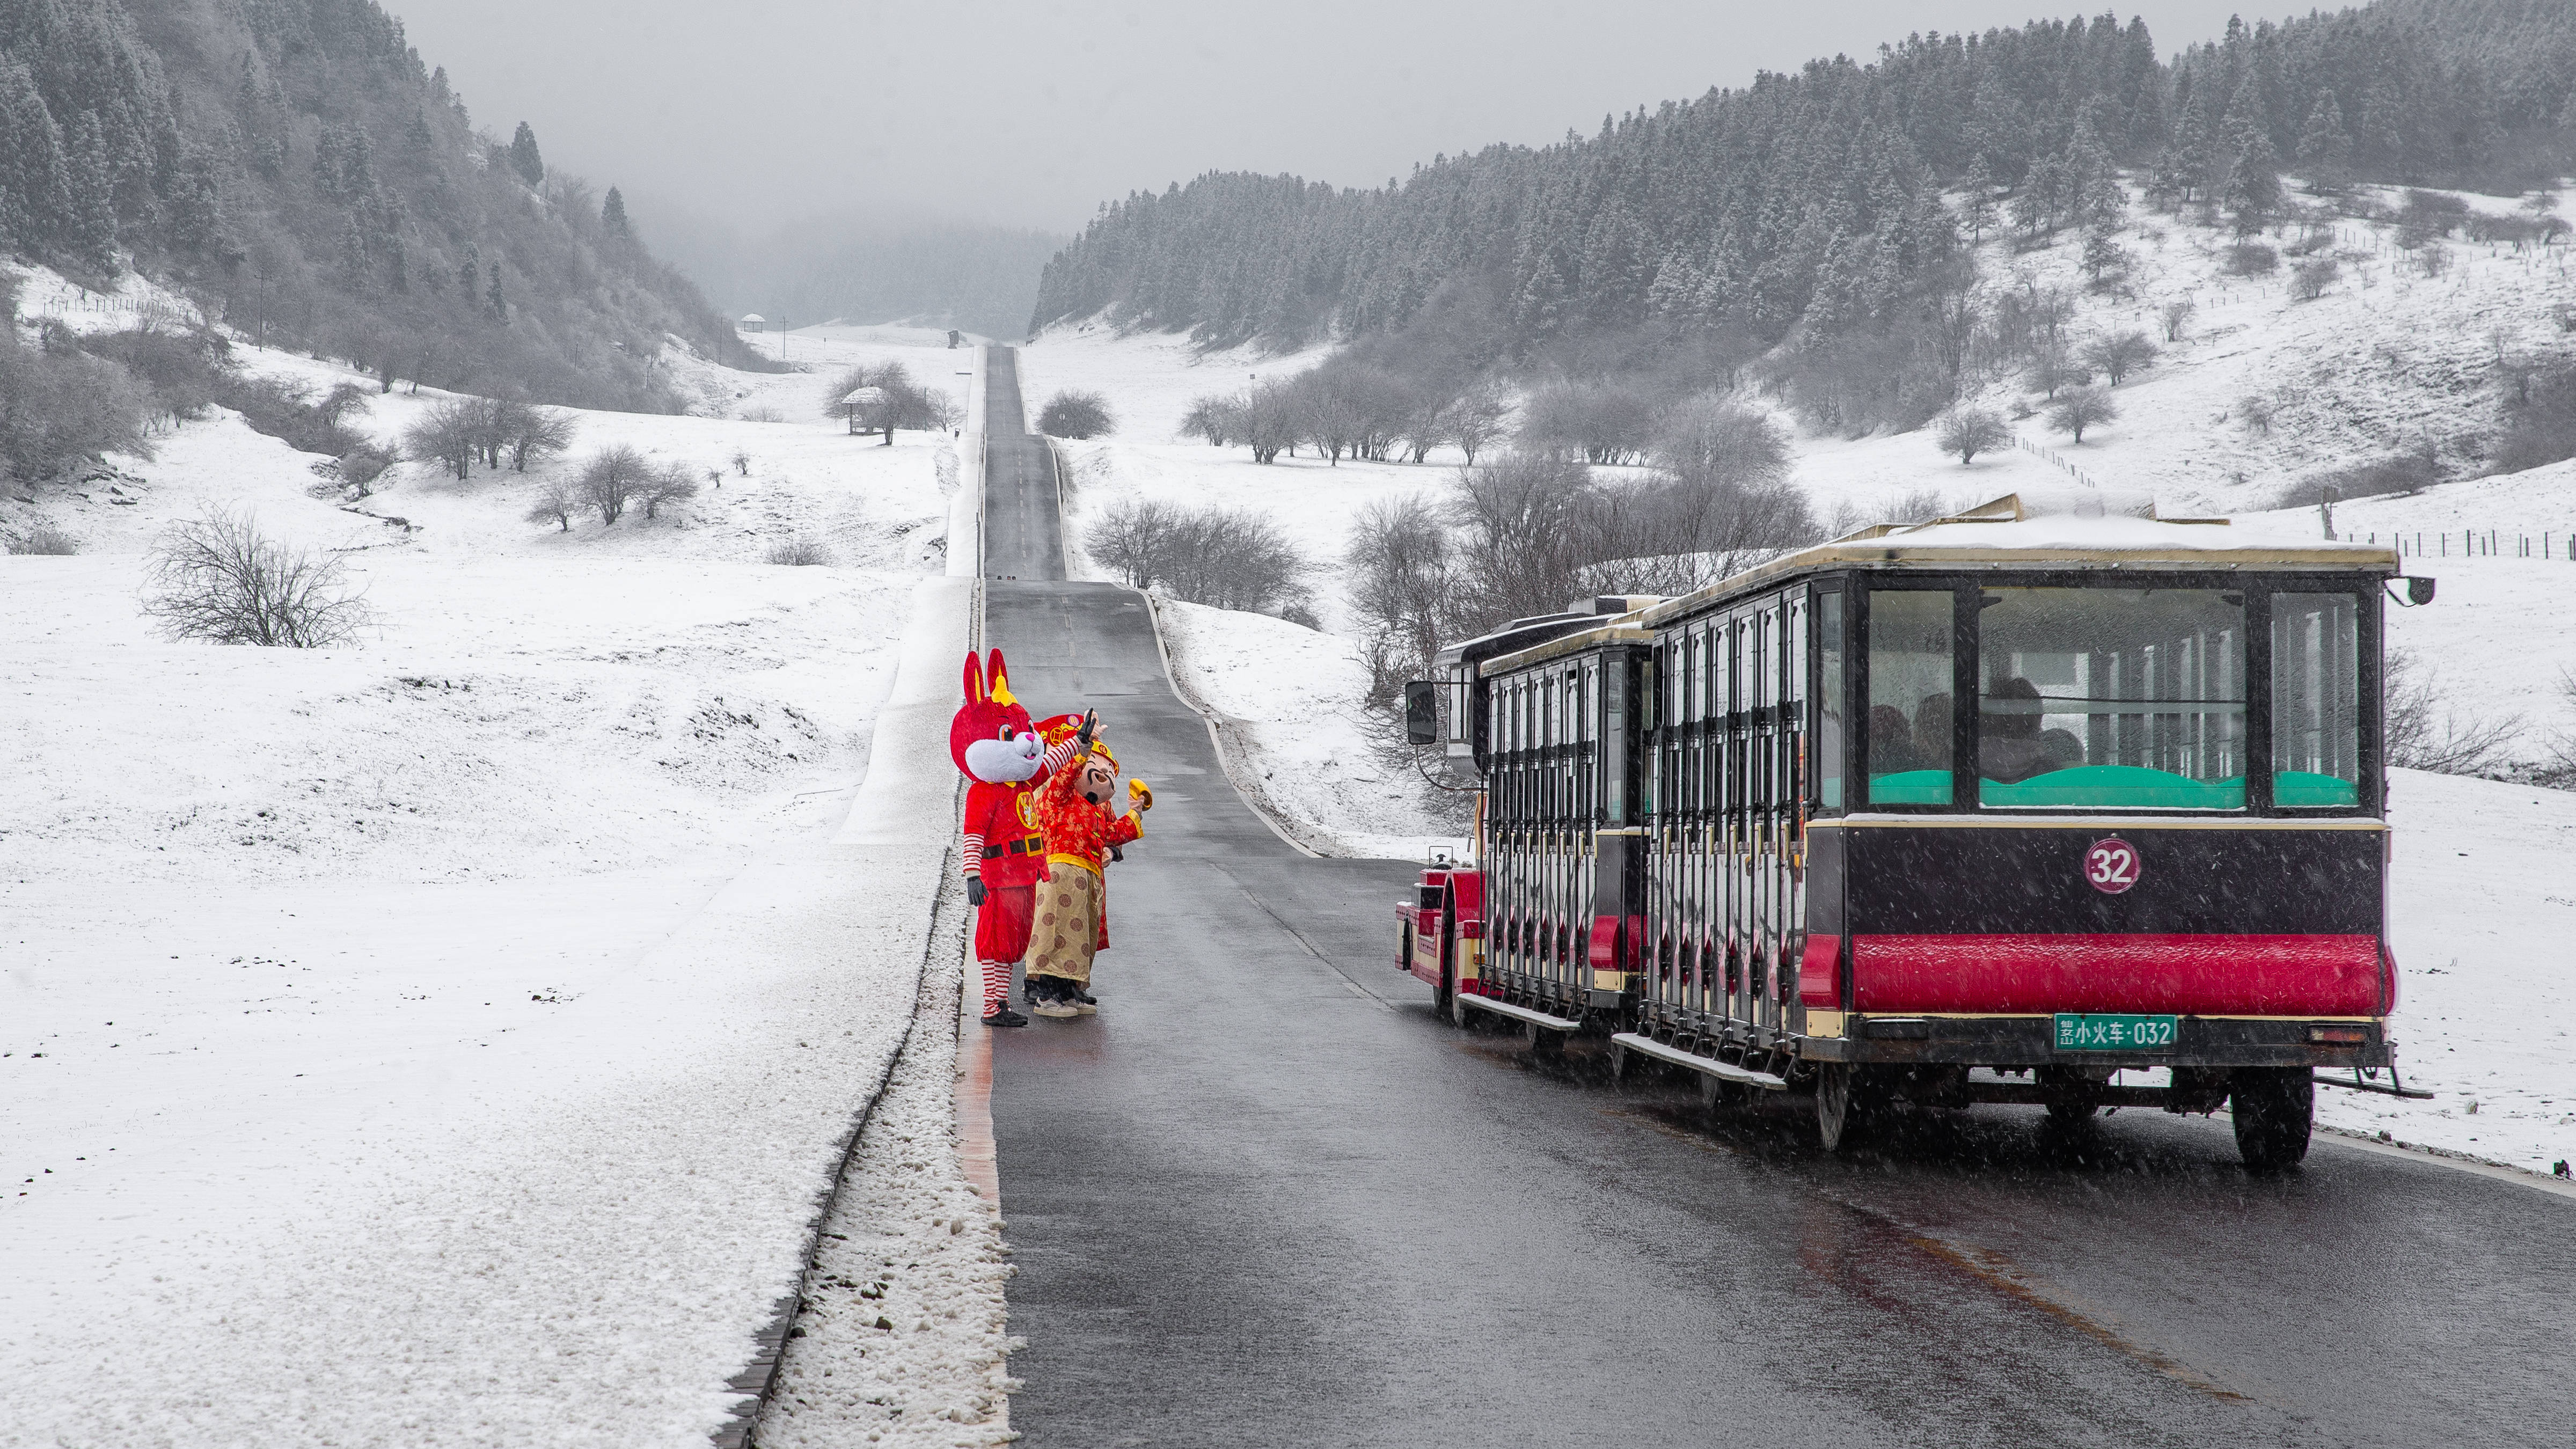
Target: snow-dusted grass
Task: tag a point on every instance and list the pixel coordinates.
(1288, 702)
(443, 1040)
(2480, 913)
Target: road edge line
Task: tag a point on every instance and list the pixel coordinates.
(1237, 771)
(2455, 1161)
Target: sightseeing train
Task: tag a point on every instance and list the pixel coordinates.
(1985, 809)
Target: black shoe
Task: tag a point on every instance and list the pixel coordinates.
(1085, 997)
(1004, 1016)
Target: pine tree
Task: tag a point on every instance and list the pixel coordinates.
(612, 214)
(35, 179)
(469, 274)
(2324, 149)
(88, 228)
(196, 205)
(492, 299)
(524, 158)
(353, 256)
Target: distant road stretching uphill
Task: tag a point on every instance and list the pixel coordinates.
(1266, 1198)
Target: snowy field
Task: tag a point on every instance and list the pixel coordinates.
(444, 1040)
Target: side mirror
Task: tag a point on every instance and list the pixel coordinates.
(2419, 591)
(1421, 713)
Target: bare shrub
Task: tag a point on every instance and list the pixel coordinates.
(449, 434)
(2176, 317)
(58, 409)
(2079, 408)
(2309, 279)
(741, 461)
(2256, 409)
(613, 479)
(763, 414)
(1216, 419)
(2432, 259)
(1397, 567)
(2251, 259)
(1226, 558)
(46, 539)
(1599, 422)
(532, 432)
(2409, 471)
(2120, 354)
(556, 503)
(1477, 421)
(799, 552)
(361, 466)
(1970, 431)
(289, 411)
(1713, 441)
(675, 483)
(1076, 413)
(2426, 731)
(2055, 367)
(217, 578)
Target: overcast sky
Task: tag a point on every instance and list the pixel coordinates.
(1030, 114)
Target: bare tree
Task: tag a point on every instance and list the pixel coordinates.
(1477, 421)
(1397, 567)
(2310, 278)
(219, 579)
(1970, 431)
(2177, 318)
(1271, 420)
(448, 434)
(1713, 441)
(1226, 558)
(534, 432)
(741, 461)
(2080, 408)
(612, 479)
(1076, 413)
(671, 484)
(1602, 422)
(2428, 732)
(1216, 419)
(2053, 367)
(2120, 354)
(555, 504)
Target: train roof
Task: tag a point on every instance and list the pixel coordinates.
(2072, 531)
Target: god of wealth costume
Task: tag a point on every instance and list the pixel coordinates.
(1072, 903)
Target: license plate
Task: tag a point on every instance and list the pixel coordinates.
(2086, 1032)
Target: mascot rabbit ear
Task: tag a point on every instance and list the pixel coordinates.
(975, 679)
(1000, 675)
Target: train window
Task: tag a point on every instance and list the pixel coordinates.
(1827, 750)
(2118, 698)
(1910, 716)
(2316, 701)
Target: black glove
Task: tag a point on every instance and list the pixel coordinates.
(1116, 854)
(1082, 736)
(974, 890)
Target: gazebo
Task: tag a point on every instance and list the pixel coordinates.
(870, 402)
(752, 322)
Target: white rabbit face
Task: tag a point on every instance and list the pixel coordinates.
(1011, 757)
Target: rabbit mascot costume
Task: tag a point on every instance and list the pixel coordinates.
(1004, 754)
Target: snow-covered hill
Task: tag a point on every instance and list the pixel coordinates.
(396, 1003)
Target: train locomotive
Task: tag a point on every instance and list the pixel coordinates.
(1987, 809)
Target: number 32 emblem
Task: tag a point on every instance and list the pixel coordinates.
(2111, 865)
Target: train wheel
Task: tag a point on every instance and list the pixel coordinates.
(1444, 997)
(1456, 1006)
(1842, 1104)
(2274, 1108)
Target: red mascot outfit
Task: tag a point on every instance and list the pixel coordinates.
(995, 745)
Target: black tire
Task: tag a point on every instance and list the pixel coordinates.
(1446, 993)
(2072, 1097)
(1459, 1014)
(1843, 1104)
(2274, 1108)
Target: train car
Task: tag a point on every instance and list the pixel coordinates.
(1987, 809)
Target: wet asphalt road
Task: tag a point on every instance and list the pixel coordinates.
(1267, 1198)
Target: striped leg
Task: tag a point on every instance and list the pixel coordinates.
(997, 986)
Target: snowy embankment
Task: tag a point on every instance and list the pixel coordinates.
(446, 1040)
